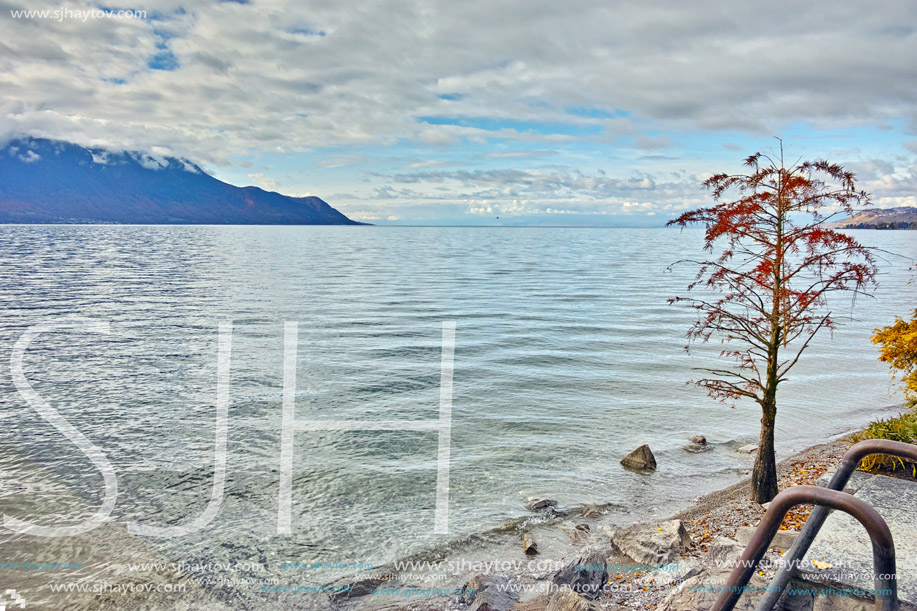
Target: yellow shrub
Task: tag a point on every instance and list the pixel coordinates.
(898, 347)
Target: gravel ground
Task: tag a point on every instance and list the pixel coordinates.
(722, 512)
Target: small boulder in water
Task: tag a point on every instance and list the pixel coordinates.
(592, 510)
(540, 504)
(529, 546)
(578, 534)
(641, 459)
(356, 589)
(698, 444)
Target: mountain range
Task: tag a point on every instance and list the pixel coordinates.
(904, 217)
(49, 181)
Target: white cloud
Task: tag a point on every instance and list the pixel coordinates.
(437, 137)
(263, 181)
(653, 142)
(364, 215)
(150, 162)
(254, 77)
(512, 81)
(30, 157)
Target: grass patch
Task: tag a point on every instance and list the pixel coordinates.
(900, 428)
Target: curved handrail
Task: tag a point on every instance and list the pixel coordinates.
(839, 480)
(883, 547)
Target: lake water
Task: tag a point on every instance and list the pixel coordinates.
(567, 357)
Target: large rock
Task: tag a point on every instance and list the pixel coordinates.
(702, 590)
(539, 603)
(653, 543)
(565, 599)
(489, 593)
(641, 459)
(724, 552)
(586, 575)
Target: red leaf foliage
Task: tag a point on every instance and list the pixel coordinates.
(774, 262)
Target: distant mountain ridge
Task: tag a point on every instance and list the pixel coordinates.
(49, 181)
(904, 217)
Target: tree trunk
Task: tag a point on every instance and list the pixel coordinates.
(764, 474)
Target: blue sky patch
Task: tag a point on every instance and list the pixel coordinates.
(164, 60)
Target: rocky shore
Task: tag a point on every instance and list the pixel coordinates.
(577, 559)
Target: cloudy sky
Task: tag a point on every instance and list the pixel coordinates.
(429, 111)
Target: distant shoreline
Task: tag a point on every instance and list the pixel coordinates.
(859, 226)
(882, 226)
(885, 219)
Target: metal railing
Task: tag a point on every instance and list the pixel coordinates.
(883, 548)
(825, 499)
(839, 480)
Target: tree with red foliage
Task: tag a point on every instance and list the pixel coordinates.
(778, 262)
